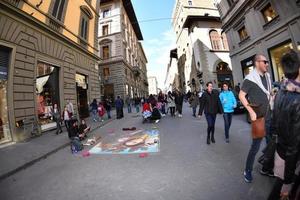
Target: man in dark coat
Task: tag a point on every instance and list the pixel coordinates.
(119, 107)
(179, 102)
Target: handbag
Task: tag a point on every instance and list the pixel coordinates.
(258, 128)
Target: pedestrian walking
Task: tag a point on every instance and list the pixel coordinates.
(128, 103)
(70, 107)
(179, 101)
(211, 106)
(107, 106)
(286, 122)
(137, 102)
(94, 109)
(67, 118)
(101, 111)
(161, 98)
(171, 103)
(228, 102)
(119, 107)
(56, 114)
(194, 102)
(257, 88)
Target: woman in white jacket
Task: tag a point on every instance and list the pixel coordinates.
(171, 103)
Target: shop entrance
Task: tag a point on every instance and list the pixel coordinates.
(109, 92)
(224, 74)
(82, 97)
(5, 133)
(47, 94)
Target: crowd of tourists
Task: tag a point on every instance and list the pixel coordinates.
(274, 110)
(274, 114)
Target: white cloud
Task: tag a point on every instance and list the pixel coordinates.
(158, 55)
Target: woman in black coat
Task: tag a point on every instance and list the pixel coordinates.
(211, 105)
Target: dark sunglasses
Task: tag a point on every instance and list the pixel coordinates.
(264, 61)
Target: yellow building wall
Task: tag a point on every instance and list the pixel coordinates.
(71, 20)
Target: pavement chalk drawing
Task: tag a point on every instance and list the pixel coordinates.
(141, 141)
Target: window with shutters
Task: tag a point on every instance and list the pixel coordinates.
(84, 23)
(215, 40)
(269, 13)
(104, 30)
(224, 41)
(243, 34)
(106, 13)
(105, 52)
(106, 72)
(58, 8)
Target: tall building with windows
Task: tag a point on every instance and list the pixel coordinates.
(269, 27)
(202, 48)
(48, 55)
(153, 85)
(172, 78)
(123, 67)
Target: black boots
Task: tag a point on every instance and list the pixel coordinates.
(213, 138)
(208, 138)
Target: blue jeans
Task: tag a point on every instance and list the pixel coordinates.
(108, 114)
(211, 120)
(163, 109)
(252, 153)
(194, 111)
(95, 115)
(227, 123)
(137, 108)
(129, 108)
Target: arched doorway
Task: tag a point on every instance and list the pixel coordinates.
(224, 74)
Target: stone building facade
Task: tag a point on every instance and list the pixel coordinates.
(123, 67)
(269, 27)
(202, 49)
(153, 85)
(48, 55)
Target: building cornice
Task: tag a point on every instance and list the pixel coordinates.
(195, 18)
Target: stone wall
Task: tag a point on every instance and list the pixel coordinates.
(34, 42)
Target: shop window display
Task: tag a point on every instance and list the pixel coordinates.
(47, 93)
(5, 134)
(276, 54)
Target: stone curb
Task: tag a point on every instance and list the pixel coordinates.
(32, 162)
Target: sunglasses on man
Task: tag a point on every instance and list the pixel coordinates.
(264, 61)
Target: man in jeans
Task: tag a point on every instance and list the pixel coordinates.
(257, 88)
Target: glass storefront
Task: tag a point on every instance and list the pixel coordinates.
(275, 54)
(47, 94)
(5, 134)
(82, 100)
(247, 65)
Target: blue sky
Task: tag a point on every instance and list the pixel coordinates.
(159, 37)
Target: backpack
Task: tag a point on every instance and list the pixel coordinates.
(76, 145)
